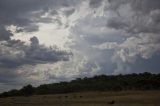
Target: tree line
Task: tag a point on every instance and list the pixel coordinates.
(141, 81)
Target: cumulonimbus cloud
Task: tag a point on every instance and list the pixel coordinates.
(16, 54)
(107, 37)
(25, 15)
(140, 22)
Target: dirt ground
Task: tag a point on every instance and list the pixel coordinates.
(124, 98)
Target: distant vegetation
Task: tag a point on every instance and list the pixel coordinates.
(142, 81)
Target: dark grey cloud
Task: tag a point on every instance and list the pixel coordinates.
(15, 53)
(4, 34)
(27, 14)
(95, 3)
(145, 6)
(150, 65)
(122, 36)
(116, 23)
(69, 12)
(128, 31)
(140, 17)
(140, 21)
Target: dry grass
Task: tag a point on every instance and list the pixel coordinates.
(125, 98)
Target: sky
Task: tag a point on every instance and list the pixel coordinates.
(47, 41)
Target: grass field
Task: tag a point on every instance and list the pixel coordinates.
(125, 98)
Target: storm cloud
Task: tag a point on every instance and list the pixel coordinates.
(97, 36)
(25, 15)
(122, 32)
(140, 21)
(16, 54)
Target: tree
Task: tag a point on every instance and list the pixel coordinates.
(27, 90)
